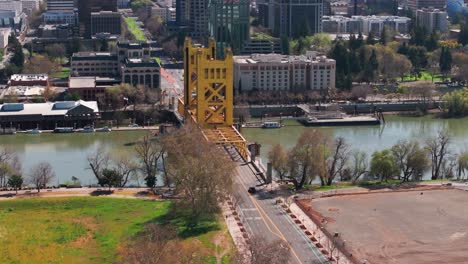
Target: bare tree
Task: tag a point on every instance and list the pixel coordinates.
(260, 252)
(98, 161)
(202, 173)
(304, 160)
(336, 162)
(152, 246)
(10, 164)
(279, 160)
(149, 152)
(359, 165)
(41, 175)
(438, 148)
(126, 167)
(462, 164)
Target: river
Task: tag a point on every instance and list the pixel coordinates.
(367, 138)
(67, 152)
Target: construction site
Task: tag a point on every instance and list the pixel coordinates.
(419, 225)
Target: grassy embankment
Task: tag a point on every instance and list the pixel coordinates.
(375, 184)
(94, 229)
(135, 29)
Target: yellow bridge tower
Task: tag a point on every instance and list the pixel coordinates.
(208, 94)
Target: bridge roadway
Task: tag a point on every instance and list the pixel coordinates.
(262, 217)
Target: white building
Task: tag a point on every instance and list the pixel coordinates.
(11, 5)
(275, 72)
(365, 24)
(30, 5)
(4, 34)
(432, 19)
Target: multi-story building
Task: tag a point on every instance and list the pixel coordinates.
(292, 17)
(94, 64)
(275, 72)
(61, 12)
(11, 5)
(262, 46)
(137, 50)
(86, 7)
(418, 4)
(54, 31)
(432, 19)
(29, 6)
(106, 22)
(92, 88)
(197, 19)
(365, 24)
(133, 63)
(182, 15)
(141, 72)
(17, 22)
(123, 3)
(229, 24)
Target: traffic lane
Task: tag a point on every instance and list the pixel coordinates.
(247, 178)
(303, 246)
(254, 221)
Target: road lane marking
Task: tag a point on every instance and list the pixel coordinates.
(280, 235)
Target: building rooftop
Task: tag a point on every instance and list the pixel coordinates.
(29, 77)
(25, 91)
(94, 56)
(45, 109)
(310, 57)
(82, 82)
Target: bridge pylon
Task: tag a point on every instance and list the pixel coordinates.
(208, 95)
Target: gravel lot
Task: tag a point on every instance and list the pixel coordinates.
(398, 227)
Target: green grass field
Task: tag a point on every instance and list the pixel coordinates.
(135, 29)
(425, 76)
(87, 229)
(63, 73)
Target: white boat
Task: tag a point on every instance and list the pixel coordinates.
(104, 129)
(271, 125)
(87, 129)
(33, 131)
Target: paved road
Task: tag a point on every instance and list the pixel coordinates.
(263, 217)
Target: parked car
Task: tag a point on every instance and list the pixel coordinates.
(252, 190)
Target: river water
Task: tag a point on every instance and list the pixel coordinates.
(368, 138)
(68, 152)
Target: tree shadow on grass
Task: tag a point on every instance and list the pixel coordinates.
(186, 225)
(101, 192)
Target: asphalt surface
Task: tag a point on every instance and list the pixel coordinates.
(263, 217)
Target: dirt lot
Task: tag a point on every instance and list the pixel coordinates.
(398, 227)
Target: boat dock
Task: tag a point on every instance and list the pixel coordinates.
(345, 121)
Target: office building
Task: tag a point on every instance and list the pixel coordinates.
(229, 24)
(86, 7)
(11, 5)
(137, 50)
(292, 18)
(17, 22)
(94, 64)
(262, 46)
(418, 4)
(141, 72)
(275, 72)
(29, 6)
(197, 19)
(432, 19)
(106, 22)
(61, 12)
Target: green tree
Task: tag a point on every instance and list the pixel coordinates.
(371, 68)
(110, 178)
(15, 181)
(456, 102)
(411, 159)
(463, 35)
(370, 39)
(432, 43)
(445, 62)
(462, 164)
(17, 49)
(383, 165)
